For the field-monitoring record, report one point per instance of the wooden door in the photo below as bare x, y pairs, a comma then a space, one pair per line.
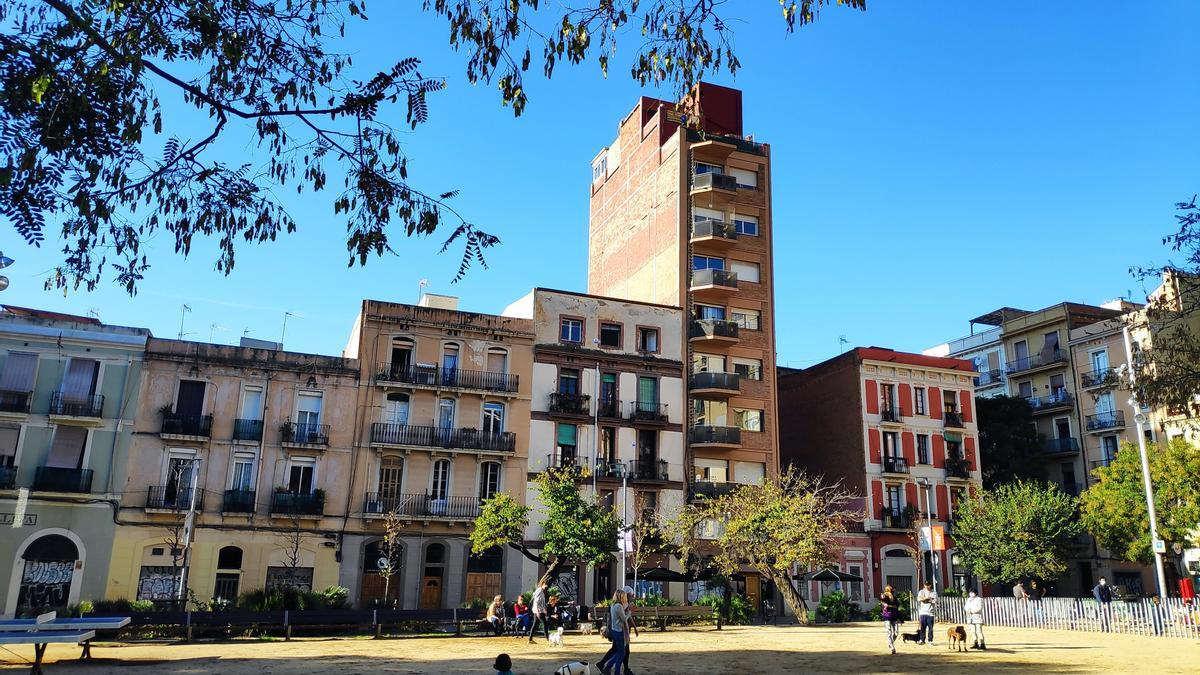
431, 593
752, 593
482, 585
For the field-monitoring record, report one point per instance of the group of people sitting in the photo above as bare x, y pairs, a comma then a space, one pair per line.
519, 616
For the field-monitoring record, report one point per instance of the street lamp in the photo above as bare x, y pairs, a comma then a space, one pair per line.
5, 261
933, 566
1140, 420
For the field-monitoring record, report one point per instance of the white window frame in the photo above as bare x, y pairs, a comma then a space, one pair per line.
303, 460
480, 474
236, 458
563, 322
746, 313
749, 267
746, 225
449, 477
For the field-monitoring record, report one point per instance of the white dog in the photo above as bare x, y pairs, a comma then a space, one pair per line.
556, 638
575, 668
586, 628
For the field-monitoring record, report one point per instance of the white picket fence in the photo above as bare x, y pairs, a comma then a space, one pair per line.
1171, 618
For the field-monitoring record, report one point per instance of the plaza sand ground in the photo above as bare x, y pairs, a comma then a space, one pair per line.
854, 648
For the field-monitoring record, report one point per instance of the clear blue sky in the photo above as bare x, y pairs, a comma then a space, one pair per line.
933, 160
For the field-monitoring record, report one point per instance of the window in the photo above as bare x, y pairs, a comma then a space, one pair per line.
610, 335
567, 434
395, 409
243, 473
746, 226
707, 363
570, 330
891, 445
308, 413
895, 501
749, 473
954, 450
1021, 351
647, 504
887, 393
568, 381
647, 392
919, 400
748, 369
647, 339
225, 590
710, 413
489, 479
600, 169
391, 478
608, 444
189, 401
1109, 447
923, 448
1058, 386
745, 178
710, 313
402, 354
497, 361
746, 271
702, 167
1062, 426
949, 400
748, 319
16, 382
749, 420
229, 558
704, 262
1051, 346
608, 499
439, 484
79, 382
1025, 389
300, 476
493, 418
9, 435
66, 451
855, 588
608, 395
712, 470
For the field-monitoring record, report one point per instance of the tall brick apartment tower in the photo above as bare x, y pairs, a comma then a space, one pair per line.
682, 216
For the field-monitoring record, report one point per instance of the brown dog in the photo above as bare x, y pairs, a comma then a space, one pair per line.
957, 636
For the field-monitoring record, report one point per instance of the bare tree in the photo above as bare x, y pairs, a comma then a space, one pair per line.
390, 548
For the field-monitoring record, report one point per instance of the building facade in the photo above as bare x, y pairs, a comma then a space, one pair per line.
69, 389
443, 419
681, 216
898, 429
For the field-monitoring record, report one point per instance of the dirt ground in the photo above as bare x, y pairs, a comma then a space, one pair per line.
853, 648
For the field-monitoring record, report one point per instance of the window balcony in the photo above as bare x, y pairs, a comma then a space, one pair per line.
713, 284
1037, 362
1061, 400
58, 479
652, 471
953, 420
183, 427
567, 460
421, 506
15, 401
294, 434
566, 404
714, 233
238, 501
386, 433
715, 385
896, 520
957, 467
8, 477
713, 331
297, 504
895, 465
889, 414
173, 498
436, 377
989, 378
610, 470
608, 408
1100, 377
1060, 446
1113, 419
648, 412
247, 430
710, 489
714, 188
707, 436
66, 405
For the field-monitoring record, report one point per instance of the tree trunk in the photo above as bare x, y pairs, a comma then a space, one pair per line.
790, 595
726, 599
552, 570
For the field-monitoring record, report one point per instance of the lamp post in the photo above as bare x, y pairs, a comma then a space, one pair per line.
5, 261
933, 566
1139, 419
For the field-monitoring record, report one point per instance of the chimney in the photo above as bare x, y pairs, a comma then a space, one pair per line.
435, 301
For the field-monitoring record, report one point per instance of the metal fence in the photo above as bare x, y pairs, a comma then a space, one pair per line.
1171, 617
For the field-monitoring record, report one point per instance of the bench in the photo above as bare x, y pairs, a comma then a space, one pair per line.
441, 617
99, 623
660, 615
232, 619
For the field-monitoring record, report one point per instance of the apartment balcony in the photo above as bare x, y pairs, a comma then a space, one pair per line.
297, 504
710, 489
953, 420
715, 385
563, 404
76, 409
238, 501
304, 436
1104, 421
430, 376
958, 467
713, 284
1036, 362
247, 430
610, 470
648, 413
989, 378
896, 520
173, 498
649, 471
895, 465
8, 477
715, 234
706, 436
713, 189
568, 461
1100, 377
889, 414
1065, 446
421, 506
1044, 405
17, 402
58, 479
1099, 464
717, 332
186, 427
466, 440
608, 409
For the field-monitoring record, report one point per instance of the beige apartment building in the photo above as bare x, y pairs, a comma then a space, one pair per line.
259, 444
681, 216
443, 419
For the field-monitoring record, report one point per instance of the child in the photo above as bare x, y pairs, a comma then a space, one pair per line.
503, 665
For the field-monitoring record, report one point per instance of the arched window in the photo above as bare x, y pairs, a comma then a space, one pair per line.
395, 409
229, 574
375, 553
229, 558
49, 568
402, 354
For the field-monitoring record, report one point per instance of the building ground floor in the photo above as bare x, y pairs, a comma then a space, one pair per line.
896, 562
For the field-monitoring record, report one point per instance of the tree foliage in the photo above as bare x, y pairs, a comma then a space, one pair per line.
576, 528
1008, 441
791, 519
1017, 530
1114, 507
82, 84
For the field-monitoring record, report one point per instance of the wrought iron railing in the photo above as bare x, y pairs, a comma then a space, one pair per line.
289, 503
1054, 446
303, 433
1036, 361
174, 497
1098, 377
896, 520
989, 377
438, 437
15, 401
1058, 399
712, 489
569, 404
238, 501
438, 376
1113, 419
653, 470
608, 407
895, 465
247, 430
957, 467
422, 505
889, 413
647, 411
187, 425
953, 420
58, 479
62, 403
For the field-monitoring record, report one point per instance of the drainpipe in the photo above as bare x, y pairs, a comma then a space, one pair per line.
112, 456
262, 444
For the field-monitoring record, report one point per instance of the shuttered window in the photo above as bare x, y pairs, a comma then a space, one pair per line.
66, 452
18, 372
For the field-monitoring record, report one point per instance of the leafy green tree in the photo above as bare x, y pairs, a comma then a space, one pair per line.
1017, 530
86, 144
1114, 507
1008, 441
576, 528
790, 520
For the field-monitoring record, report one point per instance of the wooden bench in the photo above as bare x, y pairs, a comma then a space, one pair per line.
660, 615
328, 618
233, 619
286, 620
439, 617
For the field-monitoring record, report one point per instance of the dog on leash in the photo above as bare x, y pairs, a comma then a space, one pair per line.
957, 637
557, 641
575, 668
910, 637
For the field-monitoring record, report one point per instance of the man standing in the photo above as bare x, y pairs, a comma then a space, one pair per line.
1103, 595
538, 611
926, 608
1019, 591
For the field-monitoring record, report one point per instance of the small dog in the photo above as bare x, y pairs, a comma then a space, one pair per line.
958, 638
556, 638
910, 637
575, 668
586, 628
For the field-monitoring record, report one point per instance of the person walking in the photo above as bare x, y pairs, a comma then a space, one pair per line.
1103, 595
632, 631
890, 610
539, 612
926, 612
973, 608
618, 629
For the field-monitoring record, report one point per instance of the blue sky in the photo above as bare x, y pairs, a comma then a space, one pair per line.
933, 160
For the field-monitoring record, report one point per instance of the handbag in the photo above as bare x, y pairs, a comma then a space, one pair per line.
605, 633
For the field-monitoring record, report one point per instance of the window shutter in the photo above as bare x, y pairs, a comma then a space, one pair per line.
872, 398
66, 452
566, 434
8, 442
18, 372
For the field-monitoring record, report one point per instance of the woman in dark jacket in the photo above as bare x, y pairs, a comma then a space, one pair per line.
890, 608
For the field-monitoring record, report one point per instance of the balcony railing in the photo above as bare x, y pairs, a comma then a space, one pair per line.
716, 229
438, 437
703, 434
565, 460
653, 470
1059, 399
1098, 377
293, 503
247, 430
895, 520
647, 411
989, 377
58, 479
712, 489
895, 465
1114, 419
889, 413
957, 467
15, 401
608, 407
712, 380
1058, 446
953, 420
437, 376
713, 328
187, 425
174, 497
304, 434
723, 278
611, 469
238, 501
62, 403
422, 506
714, 181
569, 404
8, 477
1036, 361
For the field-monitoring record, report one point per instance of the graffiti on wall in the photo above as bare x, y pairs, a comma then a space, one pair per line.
46, 583
290, 577
158, 582
568, 586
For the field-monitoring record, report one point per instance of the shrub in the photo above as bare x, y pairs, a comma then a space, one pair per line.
834, 608
336, 597
739, 607
905, 599
527, 597
952, 593
655, 601
476, 603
